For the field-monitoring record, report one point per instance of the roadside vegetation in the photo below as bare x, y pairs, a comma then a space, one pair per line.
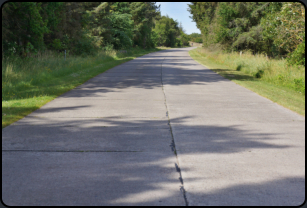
95, 36
270, 78
196, 38
276, 29
259, 45
28, 84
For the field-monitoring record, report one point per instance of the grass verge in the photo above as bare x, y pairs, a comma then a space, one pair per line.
28, 84
286, 95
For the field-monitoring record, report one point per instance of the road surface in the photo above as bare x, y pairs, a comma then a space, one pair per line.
158, 130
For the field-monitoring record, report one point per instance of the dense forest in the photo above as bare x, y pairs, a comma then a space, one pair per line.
274, 28
85, 27
168, 32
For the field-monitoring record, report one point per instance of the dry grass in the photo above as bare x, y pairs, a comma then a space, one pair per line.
260, 66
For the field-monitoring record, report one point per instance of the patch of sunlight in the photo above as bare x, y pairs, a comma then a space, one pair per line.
144, 196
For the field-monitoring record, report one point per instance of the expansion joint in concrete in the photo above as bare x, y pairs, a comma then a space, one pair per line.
172, 145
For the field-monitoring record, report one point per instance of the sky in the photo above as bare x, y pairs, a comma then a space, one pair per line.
178, 11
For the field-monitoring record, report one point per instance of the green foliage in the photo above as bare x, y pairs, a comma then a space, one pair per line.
273, 28
122, 28
300, 85
239, 66
82, 28
78, 27
85, 46
143, 15
108, 47
284, 93
57, 44
22, 24
198, 40
275, 72
196, 37
297, 57
259, 73
168, 32
33, 82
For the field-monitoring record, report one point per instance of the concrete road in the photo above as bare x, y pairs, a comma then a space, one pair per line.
111, 141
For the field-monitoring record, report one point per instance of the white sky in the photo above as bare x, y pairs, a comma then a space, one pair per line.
178, 11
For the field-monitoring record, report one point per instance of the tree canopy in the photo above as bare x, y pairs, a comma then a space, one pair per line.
85, 27
274, 28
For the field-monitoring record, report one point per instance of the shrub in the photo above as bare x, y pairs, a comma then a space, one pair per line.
300, 85
297, 57
108, 47
239, 66
85, 46
259, 73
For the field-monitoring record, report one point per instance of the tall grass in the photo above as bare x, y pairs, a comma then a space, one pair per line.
29, 83
260, 66
47, 72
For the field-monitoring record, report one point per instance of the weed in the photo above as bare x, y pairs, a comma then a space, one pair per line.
239, 67
300, 85
259, 73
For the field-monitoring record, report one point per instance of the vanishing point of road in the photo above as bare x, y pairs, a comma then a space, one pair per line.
158, 130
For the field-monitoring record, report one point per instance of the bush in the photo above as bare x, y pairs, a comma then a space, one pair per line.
57, 44
239, 66
84, 47
198, 40
259, 73
297, 57
108, 47
300, 85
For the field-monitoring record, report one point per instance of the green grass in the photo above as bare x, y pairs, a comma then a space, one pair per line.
243, 71
28, 84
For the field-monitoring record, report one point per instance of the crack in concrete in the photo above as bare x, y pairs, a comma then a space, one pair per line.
172, 145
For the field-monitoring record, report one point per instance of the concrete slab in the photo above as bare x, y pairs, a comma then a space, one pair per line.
231, 114
251, 178
90, 179
108, 142
80, 107
113, 121
73, 135
149, 71
122, 74
231, 137
234, 147
125, 94
142, 65
128, 91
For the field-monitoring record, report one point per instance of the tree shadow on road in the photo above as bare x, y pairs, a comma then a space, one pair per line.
129, 160
126, 161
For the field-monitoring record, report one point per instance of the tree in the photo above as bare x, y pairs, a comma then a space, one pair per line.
23, 27
168, 32
144, 15
274, 28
